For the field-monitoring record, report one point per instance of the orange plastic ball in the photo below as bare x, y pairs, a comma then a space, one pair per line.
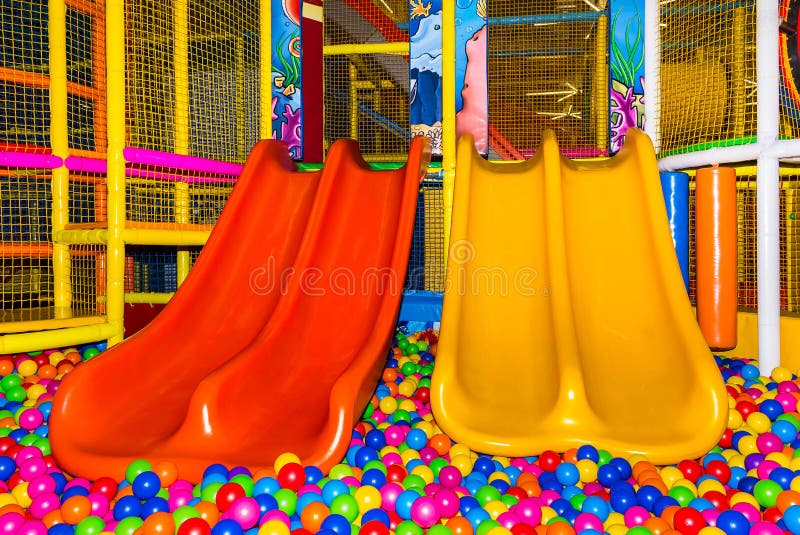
312, 516
160, 523
208, 511
459, 526
75, 508
167, 473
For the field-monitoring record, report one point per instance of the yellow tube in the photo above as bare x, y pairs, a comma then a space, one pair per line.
353, 72
448, 115
400, 49
265, 63
600, 88
80, 237
57, 31
115, 65
35, 341
25, 322
738, 74
165, 237
183, 258
149, 298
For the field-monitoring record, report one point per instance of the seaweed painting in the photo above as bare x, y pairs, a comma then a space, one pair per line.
627, 79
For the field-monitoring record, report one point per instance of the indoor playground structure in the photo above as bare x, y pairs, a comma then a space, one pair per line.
446, 267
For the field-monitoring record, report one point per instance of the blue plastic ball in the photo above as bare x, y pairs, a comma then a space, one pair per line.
227, 527
146, 485
336, 523
733, 522
332, 489
567, 473
127, 506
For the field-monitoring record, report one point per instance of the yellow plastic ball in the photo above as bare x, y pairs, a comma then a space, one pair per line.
671, 474
463, 463
367, 497
27, 368
407, 405
502, 476
274, 527
747, 445
36, 391
408, 455
386, 450
387, 405
406, 388
495, 508
760, 422
587, 469
743, 497
55, 357
20, 493
504, 461
617, 529
782, 373
710, 530
735, 419
685, 483
283, 459
614, 518
708, 485
425, 427
425, 472
736, 380
499, 530
459, 449
7, 499
548, 513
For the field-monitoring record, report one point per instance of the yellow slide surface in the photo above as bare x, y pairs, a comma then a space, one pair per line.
565, 317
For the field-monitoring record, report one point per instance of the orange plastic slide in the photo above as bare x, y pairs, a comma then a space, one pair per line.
565, 319
276, 340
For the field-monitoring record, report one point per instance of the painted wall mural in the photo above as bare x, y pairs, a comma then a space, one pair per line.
425, 74
286, 75
472, 93
626, 58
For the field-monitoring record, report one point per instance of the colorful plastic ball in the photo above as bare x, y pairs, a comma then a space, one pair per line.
245, 511
425, 512
226, 527
227, 495
161, 523
405, 501
137, 467
791, 518
336, 523
292, 476
766, 492
194, 526
127, 506
146, 485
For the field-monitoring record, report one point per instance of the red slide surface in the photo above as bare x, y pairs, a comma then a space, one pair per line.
276, 340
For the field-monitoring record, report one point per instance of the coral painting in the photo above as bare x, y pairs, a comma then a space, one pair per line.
286, 75
425, 63
627, 70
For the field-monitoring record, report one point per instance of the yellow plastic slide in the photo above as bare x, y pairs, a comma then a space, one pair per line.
565, 317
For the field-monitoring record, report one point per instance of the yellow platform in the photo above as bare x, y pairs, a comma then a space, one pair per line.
565, 318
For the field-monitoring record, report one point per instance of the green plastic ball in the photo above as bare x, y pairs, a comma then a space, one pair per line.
137, 467
91, 525
128, 525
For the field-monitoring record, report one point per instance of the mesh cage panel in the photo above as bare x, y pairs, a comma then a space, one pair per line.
747, 241
86, 114
366, 95
151, 269
25, 230
707, 94
426, 261
88, 279
548, 70
88, 199
193, 77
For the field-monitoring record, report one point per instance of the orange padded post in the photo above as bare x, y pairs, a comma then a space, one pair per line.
716, 256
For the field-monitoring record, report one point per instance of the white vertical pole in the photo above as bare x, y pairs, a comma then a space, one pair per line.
652, 72
768, 187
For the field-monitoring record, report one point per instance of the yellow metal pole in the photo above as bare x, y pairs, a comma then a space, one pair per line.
115, 264
183, 259
59, 141
182, 217
737, 72
353, 101
22, 342
265, 64
601, 84
448, 115
398, 48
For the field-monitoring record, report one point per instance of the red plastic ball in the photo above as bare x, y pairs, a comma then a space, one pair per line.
6, 443
105, 486
746, 408
772, 515
423, 394
395, 473
689, 521
194, 526
374, 527
720, 470
301, 531
522, 529
292, 476
726, 441
719, 500
549, 460
227, 494
691, 470
517, 492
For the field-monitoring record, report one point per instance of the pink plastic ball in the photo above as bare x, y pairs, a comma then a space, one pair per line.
30, 419
586, 521
32, 527
765, 528
787, 401
180, 485
32, 468
449, 476
765, 468
769, 443
548, 496
424, 512
508, 520
389, 494
27, 452
179, 499
43, 484
275, 514
447, 501
710, 516
77, 482
636, 516
748, 510
529, 511
392, 458
592, 487
788, 386
245, 511
427, 454
309, 487
43, 504
395, 435
10, 523
99, 503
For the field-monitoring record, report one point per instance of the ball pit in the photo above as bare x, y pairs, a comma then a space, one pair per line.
401, 474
